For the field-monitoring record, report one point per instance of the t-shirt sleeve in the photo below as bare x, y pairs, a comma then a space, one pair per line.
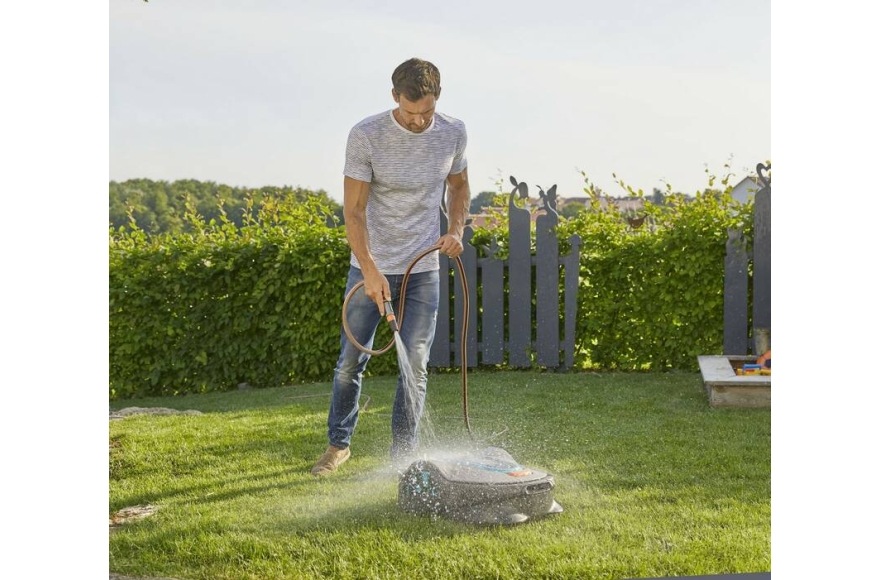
358, 156
459, 160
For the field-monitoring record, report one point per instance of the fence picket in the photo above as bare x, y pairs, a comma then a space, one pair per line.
571, 266
761, 259
492, 281
547, 288
469, 264
519, 281
736, 294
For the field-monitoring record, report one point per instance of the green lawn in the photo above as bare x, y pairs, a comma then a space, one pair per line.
652, 480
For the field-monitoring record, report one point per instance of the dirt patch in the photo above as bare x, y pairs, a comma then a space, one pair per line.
130, 411
132, 513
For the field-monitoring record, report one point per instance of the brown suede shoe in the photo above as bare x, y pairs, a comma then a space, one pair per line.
330, 460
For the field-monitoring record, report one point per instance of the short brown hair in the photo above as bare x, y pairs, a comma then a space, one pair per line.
416, 78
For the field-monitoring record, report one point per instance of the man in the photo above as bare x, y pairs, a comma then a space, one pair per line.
396, 166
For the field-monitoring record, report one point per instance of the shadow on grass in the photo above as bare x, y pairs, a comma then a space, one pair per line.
231, 401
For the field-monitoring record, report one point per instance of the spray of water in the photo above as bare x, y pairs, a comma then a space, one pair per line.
430, 444
415, 396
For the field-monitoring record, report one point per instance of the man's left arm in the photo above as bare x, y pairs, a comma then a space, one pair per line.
458, 201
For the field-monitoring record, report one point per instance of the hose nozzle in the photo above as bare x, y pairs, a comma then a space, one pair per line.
390, 315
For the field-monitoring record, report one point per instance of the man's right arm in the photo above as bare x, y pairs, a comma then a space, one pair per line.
356, 197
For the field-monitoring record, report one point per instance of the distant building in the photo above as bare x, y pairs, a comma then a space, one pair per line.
627, 205
490, 215
746, 188
622, 203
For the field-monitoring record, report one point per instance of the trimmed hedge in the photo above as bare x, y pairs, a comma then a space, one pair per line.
260, 304
223, 306
653, 298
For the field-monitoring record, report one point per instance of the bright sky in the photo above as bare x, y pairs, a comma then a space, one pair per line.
264, 93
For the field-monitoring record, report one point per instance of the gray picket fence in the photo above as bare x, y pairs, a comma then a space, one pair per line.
539, 318
739, 326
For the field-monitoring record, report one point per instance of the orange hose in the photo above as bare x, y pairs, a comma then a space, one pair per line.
463, 339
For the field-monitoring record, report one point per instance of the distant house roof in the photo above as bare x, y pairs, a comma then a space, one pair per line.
745, 188
488, 215
627, 204
623, 203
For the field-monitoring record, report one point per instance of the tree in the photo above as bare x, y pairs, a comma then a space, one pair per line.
481, 200
159, 206
571, 209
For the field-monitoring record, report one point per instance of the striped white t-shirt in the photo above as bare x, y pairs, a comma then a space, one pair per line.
407, 173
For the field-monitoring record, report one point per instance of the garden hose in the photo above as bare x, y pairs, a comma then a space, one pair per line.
396, 323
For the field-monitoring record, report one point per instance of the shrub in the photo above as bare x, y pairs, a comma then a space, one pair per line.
225, 305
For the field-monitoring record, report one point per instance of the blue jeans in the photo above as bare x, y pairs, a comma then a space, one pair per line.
417, 333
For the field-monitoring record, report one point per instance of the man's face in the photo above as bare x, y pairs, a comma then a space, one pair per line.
415, 116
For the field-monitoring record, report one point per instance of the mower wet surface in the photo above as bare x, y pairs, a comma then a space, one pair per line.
484, 487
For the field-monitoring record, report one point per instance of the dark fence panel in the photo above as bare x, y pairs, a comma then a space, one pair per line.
761, 256
555, 311
571, 266
469, 263
737, 339
492, 327
519, 280
547, 286
439, 354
